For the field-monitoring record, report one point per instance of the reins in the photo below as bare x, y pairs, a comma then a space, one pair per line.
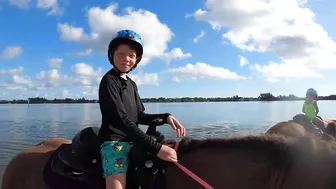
191, 174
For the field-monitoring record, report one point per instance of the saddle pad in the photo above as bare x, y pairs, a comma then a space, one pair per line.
57, 181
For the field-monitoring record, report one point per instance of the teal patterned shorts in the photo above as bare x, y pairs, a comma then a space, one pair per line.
114, 156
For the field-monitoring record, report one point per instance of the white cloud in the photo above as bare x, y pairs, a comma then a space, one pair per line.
86, 79
21, 80
52, 78
20, 3
11, 52
90, 91
199, 36
176, 79
11, 86
103, 23
72, 34
205, 71
86, 52
54, 84
243, 61
66, 94
17, 88
85, 76
51, 5
274, 71
55, 62
14, 71
83, 69
2, 94
41, 75
176, 53
285, 27
145, 78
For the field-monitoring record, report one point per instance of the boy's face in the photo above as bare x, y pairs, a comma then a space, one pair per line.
310, 97
124, 57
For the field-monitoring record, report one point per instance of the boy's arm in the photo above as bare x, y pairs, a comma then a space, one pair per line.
316, 108
303, 110
146, 119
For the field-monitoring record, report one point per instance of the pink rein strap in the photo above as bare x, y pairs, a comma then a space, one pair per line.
191, 174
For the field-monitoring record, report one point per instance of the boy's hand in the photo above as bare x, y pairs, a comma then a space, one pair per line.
176, 125
167, 153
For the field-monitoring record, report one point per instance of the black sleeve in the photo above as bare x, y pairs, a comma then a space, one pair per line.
116, 115
144, 118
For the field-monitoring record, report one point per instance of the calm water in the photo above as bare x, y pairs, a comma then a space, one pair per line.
22, 126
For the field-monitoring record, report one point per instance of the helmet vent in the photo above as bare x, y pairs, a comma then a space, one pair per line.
130, 36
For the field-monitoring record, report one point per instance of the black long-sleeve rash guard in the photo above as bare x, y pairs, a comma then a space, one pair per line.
122, 110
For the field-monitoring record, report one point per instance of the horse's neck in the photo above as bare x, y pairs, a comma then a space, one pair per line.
237, 168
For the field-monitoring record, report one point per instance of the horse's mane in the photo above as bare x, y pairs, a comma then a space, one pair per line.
250, 142
261, 143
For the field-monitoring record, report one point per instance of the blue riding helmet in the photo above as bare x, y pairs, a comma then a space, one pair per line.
312, 92
129, 37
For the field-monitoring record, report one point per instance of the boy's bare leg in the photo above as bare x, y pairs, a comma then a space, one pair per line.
117, 181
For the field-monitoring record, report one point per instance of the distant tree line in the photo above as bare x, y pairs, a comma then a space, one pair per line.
261, 97
39, 100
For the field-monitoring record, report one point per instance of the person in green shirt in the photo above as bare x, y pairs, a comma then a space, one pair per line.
310, 108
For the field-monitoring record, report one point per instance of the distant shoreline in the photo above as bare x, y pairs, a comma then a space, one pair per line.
236, 98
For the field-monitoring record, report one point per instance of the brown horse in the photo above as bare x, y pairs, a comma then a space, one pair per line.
254, 162
301, 126
287, 128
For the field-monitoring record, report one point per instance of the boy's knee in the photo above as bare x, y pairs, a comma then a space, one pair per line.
114, 173
117, 181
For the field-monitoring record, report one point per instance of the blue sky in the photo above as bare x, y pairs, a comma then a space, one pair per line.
209, 48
